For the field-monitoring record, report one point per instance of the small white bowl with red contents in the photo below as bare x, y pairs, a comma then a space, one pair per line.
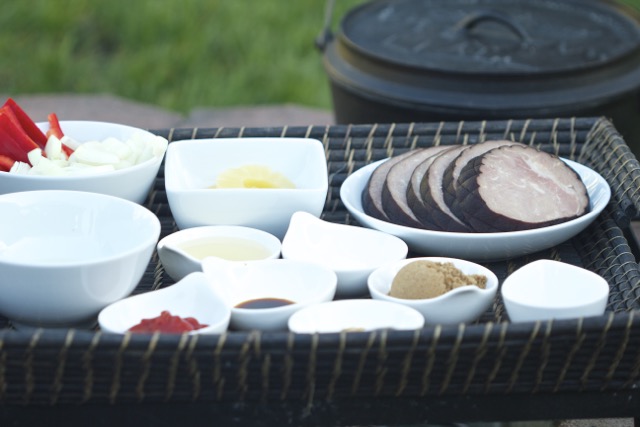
190, 299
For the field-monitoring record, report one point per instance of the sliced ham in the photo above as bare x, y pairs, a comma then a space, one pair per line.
432, 192
394, 191
414, 198
372, 194
451, 174
518, 187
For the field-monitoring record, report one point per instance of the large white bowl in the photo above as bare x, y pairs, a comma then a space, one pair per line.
460, 305
192, 296
192, 167
352, 252
547, 289
302, 283
478, 246
64, 255
132, 183
178, 262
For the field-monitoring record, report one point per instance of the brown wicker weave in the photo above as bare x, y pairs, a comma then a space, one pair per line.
489, 370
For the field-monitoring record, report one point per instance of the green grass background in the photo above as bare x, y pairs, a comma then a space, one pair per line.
177, 54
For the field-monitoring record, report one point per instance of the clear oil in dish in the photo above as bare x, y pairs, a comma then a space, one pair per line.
226, 247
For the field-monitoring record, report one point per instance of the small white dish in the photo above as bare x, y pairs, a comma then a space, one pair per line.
352, 252
547, 289
65, 255
301, 283
460, 305
478, 246
355, 315
193, 166
192, 296
182, 252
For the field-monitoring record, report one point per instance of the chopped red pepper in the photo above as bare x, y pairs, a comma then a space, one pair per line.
14, 143
28, 125
167, 323
54, 126
6, 163
56, 130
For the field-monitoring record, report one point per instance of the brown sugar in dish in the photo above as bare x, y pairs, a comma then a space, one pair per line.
428, 279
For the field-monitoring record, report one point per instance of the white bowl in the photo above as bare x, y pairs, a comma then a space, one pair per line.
352, 252
192, 167
478, 246
182, 252
302, 283
355, 315
192, 296
132, 183
547, 289
65, 255
460, 305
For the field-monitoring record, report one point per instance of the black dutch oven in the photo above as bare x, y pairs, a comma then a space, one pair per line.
443, 60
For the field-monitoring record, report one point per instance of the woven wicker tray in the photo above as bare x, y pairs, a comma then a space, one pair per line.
491, 370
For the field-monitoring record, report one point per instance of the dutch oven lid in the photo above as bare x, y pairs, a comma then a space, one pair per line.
493, 37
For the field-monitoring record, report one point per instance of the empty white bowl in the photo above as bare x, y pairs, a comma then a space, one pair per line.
355, 315
301, 283
192, 167
352, 252
547, 289
192, 296
65, 255
182, 252
460, 305
132, 183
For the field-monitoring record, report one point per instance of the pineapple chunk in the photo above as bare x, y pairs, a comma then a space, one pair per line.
252, 176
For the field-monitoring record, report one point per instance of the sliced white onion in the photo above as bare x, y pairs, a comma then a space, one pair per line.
91, 156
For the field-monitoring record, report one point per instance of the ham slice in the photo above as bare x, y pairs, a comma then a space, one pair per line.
432, 191
372, 194
518, 187
414, 197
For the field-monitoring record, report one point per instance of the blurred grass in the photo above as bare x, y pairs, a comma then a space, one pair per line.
178, 54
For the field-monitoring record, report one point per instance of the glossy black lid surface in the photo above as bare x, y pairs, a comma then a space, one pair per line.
493, 37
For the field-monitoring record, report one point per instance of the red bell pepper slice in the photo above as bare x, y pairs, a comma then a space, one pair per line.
28, 125
6, 163
56, 130
14, 143
54, 126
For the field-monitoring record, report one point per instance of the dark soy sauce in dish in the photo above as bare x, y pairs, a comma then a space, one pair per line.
264, 303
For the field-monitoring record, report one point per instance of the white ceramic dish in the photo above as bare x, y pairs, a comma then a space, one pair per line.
352, 252
547, 289
132, 183
302, 283
355, 315
65, 255
478, 246
192, 167
192, 296
460, 305
230, 242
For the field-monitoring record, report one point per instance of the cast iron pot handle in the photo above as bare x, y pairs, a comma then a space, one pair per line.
326, 35
470, 21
